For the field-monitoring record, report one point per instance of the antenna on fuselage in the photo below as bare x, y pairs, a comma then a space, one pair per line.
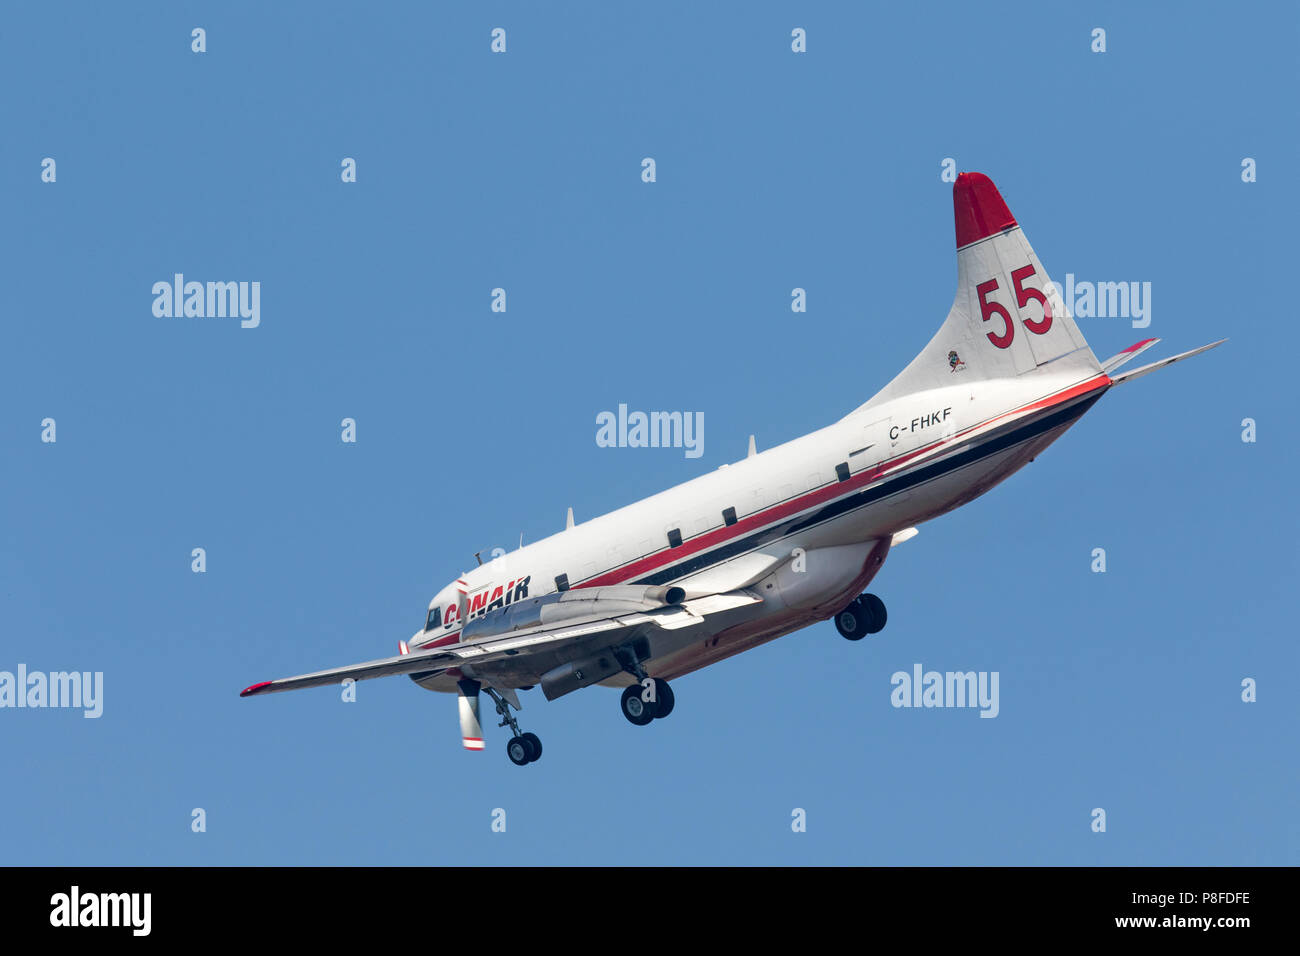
753, 449
477, 558
568, 522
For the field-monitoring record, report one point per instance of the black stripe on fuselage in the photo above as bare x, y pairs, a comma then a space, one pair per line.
866, 496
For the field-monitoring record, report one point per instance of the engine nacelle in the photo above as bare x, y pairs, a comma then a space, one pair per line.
576, 675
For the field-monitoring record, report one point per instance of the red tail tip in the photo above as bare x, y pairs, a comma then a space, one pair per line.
978, 209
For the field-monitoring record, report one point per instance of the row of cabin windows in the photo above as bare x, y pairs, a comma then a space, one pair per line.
675, 534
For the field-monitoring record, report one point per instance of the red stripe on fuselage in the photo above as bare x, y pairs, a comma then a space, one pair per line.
795, 505
442, 641
820, 496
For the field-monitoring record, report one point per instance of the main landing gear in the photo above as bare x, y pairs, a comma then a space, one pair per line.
864, 615
649, 697
521, 748
646, 700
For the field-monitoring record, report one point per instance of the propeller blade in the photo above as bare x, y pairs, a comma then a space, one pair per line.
471, 731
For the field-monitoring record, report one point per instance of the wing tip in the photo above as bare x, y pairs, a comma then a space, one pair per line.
255, 688
1137, 345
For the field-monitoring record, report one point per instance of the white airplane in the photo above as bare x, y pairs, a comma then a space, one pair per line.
760, 548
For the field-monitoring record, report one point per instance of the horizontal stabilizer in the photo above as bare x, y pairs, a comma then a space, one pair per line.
1143, 370
1128, 355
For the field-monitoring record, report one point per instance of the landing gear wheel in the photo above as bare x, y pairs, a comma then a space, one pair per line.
851, 622
518, 751
873, 609
634, 708
865, 615
664, 698
534, 745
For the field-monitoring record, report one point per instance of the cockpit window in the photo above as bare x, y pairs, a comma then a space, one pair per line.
435, 618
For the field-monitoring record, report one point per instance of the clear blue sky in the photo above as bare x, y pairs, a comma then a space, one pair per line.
775, 170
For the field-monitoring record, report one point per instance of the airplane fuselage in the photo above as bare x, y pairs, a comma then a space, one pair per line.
849, 486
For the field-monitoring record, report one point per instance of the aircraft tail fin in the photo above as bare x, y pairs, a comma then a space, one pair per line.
1007, 319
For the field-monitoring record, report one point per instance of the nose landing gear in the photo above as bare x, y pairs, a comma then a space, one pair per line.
521, 748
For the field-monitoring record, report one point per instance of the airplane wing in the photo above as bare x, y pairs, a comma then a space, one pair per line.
1144, 369
406, 664
516, 643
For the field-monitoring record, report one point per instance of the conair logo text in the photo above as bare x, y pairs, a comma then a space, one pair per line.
488, 599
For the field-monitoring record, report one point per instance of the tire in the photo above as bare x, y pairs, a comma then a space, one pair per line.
851, 623
664, 698
534, 745
518, 751
873, 612
634, 708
